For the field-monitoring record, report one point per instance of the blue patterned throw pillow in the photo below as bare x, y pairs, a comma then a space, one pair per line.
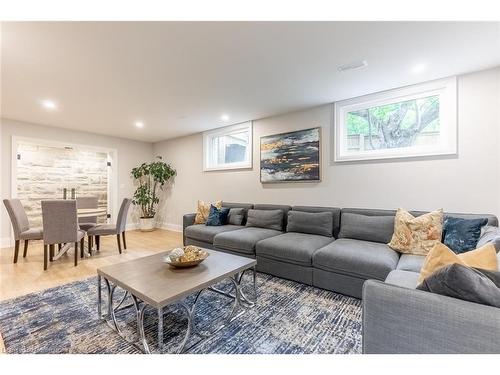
217, 217
462, 235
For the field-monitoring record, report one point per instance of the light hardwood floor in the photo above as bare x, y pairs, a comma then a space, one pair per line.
28, 276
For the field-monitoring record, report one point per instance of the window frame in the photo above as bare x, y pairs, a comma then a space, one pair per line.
446, 89
208, 136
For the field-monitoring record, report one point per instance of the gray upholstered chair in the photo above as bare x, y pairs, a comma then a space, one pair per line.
110, 229
21, 226
60, 225
86, 223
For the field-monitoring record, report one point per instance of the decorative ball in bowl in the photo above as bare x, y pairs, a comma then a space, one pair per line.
188, 256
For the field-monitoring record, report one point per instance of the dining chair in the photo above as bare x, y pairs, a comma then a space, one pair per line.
60, 225
110, 229
86, 223
21, 226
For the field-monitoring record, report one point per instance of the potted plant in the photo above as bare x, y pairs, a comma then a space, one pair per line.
151, 178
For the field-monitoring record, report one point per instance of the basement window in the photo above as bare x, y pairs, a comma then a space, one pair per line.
413, 121
228, 148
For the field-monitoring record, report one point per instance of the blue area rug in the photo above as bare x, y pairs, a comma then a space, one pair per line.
289, 318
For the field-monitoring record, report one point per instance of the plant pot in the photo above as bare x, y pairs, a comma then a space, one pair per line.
147, 224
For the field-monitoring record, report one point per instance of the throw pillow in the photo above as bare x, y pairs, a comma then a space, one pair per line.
269, 219
203, 211
441, 256
320, 223
366, 228
490, 234
462, 235
217, 217
466, 283
416, 235
236, 216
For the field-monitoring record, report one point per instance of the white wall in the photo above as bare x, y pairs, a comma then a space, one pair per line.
130, 154
467, 183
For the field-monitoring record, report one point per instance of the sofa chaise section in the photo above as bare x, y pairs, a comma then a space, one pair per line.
401, 320
398, 318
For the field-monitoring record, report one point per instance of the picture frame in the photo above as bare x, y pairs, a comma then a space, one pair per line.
293, 156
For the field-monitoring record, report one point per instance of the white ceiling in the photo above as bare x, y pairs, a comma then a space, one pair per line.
180, 77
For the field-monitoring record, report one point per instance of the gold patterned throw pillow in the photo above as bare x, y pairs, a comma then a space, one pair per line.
203, 211
416, 235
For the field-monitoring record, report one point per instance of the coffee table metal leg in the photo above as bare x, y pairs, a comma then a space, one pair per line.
189, 313
237, 293
111, 311
140, 324
99, 298
160, 329
247, 302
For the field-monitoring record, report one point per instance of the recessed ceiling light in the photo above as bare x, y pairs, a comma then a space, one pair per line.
224, 117
418, 68
139, 124
353, 65
49, 104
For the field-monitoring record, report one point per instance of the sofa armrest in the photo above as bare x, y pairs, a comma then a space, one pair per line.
401, 320
187, 220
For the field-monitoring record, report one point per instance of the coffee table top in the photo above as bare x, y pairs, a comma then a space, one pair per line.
159, 284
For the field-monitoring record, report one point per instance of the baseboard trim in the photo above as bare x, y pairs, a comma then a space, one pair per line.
132, 226
170, 226
5, 242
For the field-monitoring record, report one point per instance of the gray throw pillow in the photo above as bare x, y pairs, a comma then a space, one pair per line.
269, 219
489, 234
366, 228
310, 222
465, 283
236, 216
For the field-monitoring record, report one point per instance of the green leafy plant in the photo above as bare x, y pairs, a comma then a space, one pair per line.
151, 177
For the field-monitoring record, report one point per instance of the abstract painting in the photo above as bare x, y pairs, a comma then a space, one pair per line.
288, 157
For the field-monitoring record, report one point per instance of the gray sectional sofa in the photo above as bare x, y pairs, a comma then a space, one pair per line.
340, 254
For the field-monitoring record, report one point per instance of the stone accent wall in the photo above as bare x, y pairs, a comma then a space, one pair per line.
43, 172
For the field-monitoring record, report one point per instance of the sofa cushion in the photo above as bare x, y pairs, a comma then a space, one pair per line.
245, 206
292, 247
243, 240
281, 207
362, 259
405, 279
320, 223
202, 232
367, 228
269, 219
334, 210
236, 216
410, 262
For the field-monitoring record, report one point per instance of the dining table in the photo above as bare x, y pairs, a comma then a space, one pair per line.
82, 213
